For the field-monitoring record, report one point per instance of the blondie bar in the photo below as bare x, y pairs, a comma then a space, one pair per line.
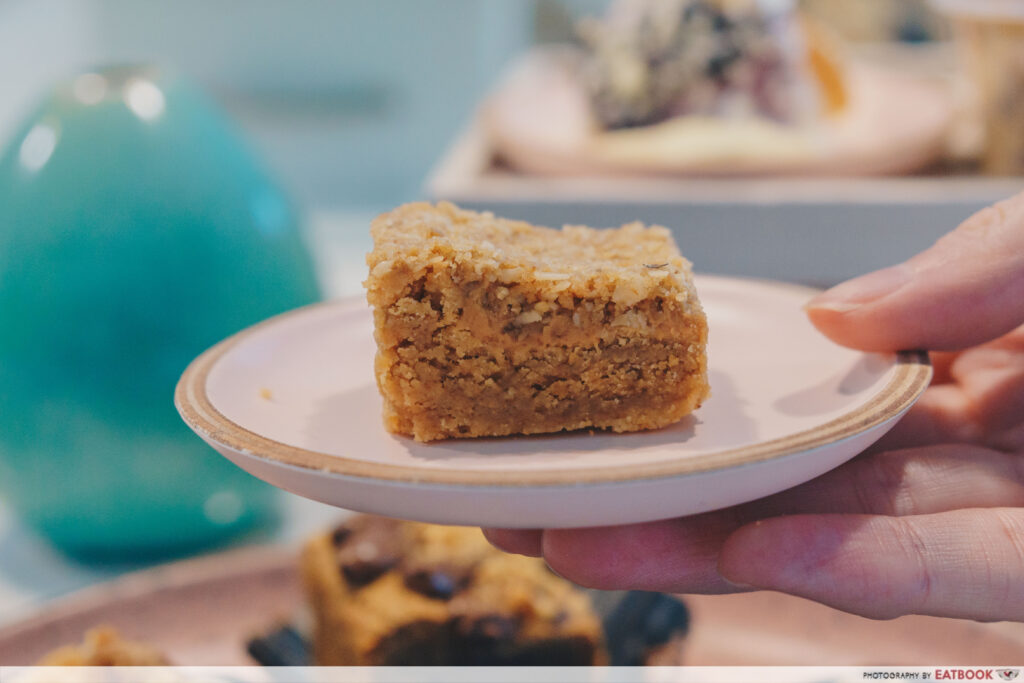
491, 327
385, 592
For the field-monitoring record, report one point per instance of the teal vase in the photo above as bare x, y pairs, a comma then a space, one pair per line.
136, 230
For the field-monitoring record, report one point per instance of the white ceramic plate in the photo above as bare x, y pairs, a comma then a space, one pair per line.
293, 401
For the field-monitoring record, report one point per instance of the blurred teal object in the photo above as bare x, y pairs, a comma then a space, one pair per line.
136, 230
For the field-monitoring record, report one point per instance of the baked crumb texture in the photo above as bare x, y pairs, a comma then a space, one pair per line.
492, 327
103, 646
385, 592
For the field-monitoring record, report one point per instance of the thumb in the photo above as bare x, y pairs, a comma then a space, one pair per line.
966, 289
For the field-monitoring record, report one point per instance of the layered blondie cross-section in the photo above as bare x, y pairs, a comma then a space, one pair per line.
491, 327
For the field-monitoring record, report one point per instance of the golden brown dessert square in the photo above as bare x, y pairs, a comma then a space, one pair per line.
386, 592
491, 327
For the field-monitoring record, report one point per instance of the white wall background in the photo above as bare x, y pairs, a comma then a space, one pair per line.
350, 101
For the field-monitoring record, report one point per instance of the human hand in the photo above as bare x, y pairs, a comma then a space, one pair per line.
931, 519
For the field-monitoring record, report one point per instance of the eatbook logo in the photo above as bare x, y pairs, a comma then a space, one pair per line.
1008, 674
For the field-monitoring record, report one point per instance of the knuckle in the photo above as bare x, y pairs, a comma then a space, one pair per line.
1010, 525
1009, 590
879, 486
921, 582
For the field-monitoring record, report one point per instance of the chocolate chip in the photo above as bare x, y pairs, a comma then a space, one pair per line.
490, 627
642, 621
440, 583
721, 23
720, 63
371, 548
359, 573
283, 647
340, 535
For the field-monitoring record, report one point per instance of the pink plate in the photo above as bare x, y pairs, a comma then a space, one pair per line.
201, 612
293, 401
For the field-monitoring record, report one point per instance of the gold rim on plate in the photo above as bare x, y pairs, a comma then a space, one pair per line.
912, 376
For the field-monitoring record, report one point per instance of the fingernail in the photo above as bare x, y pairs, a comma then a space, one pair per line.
866, 289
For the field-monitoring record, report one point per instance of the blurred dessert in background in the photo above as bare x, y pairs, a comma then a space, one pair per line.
104, 646
387, 592
653, 60
719, 87
990, 39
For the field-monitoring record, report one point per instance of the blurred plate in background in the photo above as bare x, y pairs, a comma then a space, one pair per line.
539, 121
203, 611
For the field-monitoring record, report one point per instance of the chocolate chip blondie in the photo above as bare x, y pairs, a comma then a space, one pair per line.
386, 592
492, 327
